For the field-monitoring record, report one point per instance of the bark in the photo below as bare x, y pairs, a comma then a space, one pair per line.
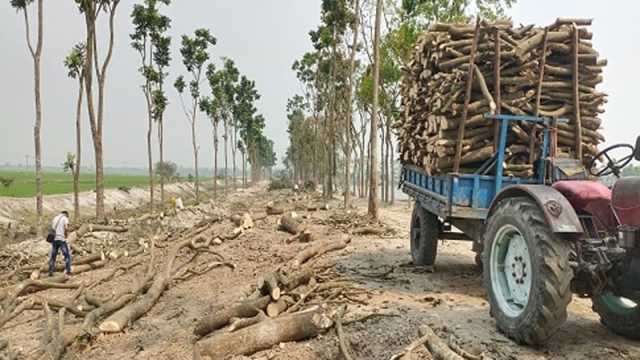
36, 56
264, 335
147, 93
319, 249
437, 346
130, 313
226, 158
221, 318
278, 307
373, 176
78, 163
290, 224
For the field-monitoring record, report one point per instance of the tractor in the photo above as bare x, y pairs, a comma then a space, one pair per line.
540, 239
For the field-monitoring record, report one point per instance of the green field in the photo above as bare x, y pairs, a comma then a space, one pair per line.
24, 184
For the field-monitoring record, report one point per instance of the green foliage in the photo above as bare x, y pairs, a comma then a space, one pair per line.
69, 163
166, 169
153, 45
180, 84
6, 182
194, 49
74, 62
20, 4
279, 183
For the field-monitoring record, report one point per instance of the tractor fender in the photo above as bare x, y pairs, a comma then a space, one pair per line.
560, 215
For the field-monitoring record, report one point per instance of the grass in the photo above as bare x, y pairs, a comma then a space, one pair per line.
24, 184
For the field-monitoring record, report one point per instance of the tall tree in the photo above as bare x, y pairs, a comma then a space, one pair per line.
74, 62
250, 126
231, 127
212, 106
195, 54
91, 10
36, 55
349, 118
153, 47
373, 176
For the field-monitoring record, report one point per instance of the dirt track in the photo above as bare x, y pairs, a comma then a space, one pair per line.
451, 298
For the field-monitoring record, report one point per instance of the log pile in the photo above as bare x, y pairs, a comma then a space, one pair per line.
460, 72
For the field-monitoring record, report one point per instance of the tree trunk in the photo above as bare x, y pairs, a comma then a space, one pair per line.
195, 156
161, 155
215, 158
89, 69
76, 168
226, 158
349, 117
147, 94
234, 138
98, 134
373, 177
244, 172
383, 164
37, 55
264, 335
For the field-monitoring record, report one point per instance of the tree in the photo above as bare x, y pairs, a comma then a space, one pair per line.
212, 106
91, 9
75, 64
194, 56
36, 55
166, 169
231, 75
249, 124
349, 118
373, 176
153, 47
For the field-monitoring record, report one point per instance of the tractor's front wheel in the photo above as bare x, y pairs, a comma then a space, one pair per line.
526, 272
620, 315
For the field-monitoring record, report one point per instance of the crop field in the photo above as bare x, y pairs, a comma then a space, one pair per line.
24, 182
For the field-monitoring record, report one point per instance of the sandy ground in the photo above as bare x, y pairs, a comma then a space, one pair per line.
451, 299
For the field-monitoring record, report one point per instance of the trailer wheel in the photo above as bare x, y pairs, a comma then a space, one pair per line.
526, 272
425, 228
620, 315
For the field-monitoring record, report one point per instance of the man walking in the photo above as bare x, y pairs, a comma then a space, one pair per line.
60, 225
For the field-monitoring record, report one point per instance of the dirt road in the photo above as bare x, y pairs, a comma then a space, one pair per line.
396, 298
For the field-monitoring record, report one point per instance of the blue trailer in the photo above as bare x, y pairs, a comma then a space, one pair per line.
539, 238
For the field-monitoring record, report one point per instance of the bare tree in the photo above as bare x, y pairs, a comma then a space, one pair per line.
91, 10
36, 55
74, 62
373, 176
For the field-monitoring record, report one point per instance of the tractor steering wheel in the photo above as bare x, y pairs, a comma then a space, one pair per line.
612, 166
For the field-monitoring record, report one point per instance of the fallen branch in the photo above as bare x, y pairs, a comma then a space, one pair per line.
345, 349
319, 249
437, 347
265, 334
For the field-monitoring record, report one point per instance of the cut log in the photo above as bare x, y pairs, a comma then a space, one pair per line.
268, 285
289, 224
276, 308
219, 319
265, 334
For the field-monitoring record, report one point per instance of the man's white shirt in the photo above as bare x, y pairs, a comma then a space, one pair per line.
59, 224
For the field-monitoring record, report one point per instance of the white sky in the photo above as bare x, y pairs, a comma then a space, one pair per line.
264, 38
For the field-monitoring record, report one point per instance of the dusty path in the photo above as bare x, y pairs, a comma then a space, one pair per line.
403, 296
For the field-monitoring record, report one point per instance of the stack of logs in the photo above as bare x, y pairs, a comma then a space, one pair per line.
459, 73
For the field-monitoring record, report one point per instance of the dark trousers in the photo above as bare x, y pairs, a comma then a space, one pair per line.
55, 246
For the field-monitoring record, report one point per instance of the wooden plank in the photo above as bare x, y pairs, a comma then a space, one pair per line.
496, 87
543, 62
467, 99
576, 91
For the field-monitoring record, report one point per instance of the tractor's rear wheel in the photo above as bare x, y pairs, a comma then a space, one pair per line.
526, 272
425, 228
620, 315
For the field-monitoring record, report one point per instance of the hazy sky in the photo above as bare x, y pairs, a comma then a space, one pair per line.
264, 38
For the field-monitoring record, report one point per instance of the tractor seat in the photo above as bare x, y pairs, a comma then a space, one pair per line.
626, 200
590, 197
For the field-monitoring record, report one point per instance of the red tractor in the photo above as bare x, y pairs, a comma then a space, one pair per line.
539, 239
